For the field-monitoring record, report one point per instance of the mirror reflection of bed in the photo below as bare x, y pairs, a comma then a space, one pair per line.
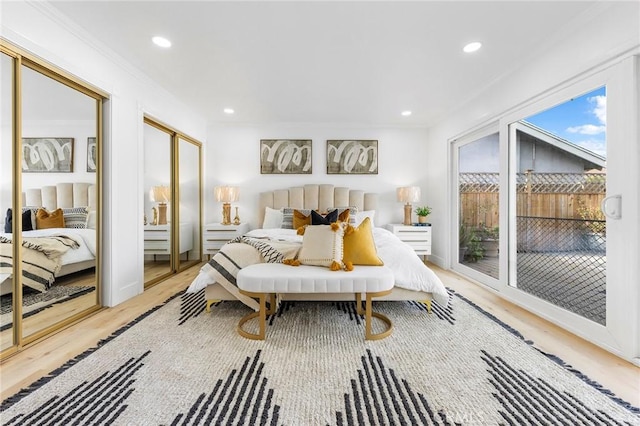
66, 246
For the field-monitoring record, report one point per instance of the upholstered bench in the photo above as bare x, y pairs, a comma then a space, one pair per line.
264, 279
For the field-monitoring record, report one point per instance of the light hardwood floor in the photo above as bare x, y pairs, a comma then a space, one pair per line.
24, 368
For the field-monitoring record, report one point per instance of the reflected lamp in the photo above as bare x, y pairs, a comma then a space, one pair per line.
408, 195
226, 195
161, 195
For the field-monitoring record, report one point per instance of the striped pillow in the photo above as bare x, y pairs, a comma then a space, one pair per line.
75, 217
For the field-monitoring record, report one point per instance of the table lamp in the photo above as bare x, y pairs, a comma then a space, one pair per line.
161, 195
408, 195
226, 195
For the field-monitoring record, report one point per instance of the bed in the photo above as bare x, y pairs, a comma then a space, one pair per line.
73, 198
413, 279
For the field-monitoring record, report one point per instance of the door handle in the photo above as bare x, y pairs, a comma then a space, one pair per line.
612, 206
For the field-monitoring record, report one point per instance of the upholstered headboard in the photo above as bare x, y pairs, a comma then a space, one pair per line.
62, 195
321, 197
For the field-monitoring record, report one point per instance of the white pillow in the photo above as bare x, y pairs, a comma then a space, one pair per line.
360, 216
272, 218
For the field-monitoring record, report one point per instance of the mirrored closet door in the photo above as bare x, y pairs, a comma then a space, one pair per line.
172, 201
190, 202
7, 117
50, 198
158, 171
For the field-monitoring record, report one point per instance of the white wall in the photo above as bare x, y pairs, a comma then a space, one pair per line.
232, 157
38, 28
603, 43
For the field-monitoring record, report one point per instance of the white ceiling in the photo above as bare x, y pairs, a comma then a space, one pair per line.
325, 62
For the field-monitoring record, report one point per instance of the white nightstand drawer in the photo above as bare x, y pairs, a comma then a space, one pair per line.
416, 237
409, 235
214, 244
215, 235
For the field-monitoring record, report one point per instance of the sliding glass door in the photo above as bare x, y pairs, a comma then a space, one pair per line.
559, 162
548, 183
477, 166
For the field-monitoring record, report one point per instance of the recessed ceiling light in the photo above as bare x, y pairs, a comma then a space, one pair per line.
161, 41
406, 113
228, 111
472, 47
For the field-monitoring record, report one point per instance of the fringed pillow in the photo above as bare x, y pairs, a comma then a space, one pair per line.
287, 216
322, 245
359, 246
302, 218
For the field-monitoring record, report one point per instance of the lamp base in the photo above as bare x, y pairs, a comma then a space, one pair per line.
407, 214
226, 214
162, 214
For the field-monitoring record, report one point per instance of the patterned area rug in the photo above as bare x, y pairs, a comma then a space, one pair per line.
34, 301
180, 365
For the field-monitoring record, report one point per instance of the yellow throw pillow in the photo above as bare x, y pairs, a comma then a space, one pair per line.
45, 219
359, 245
300, 219
322, 246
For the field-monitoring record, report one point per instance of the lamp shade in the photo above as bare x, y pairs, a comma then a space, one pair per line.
408, 194
160, 194
226, 194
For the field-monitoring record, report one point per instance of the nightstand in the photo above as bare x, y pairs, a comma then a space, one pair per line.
418, 237
157, 238
215, 235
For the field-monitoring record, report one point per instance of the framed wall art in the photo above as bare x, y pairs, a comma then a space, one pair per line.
92, 154
347, 157
47, 155
285, 156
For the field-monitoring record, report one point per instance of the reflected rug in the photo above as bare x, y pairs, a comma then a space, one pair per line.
33, 301
178, 365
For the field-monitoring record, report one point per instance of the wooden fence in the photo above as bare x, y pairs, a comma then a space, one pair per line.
551, 195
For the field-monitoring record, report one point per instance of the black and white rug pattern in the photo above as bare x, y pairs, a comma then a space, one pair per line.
179, 365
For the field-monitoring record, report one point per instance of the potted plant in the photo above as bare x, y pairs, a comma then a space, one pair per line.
422, 213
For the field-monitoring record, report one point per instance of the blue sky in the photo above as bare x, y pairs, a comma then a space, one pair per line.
582, 120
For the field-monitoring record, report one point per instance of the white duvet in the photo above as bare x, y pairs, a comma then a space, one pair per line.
409, 271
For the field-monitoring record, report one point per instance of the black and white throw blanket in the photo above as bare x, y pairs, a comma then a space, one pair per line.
241, 252
41, 259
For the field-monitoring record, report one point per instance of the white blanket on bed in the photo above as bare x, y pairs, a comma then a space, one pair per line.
409, 271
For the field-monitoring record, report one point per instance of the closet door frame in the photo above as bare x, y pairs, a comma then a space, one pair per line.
22, 58
176, 136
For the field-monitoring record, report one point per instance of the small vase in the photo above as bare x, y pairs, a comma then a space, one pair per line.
236, 220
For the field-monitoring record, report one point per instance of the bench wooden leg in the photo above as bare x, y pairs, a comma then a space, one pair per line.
368, 314
261, 314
